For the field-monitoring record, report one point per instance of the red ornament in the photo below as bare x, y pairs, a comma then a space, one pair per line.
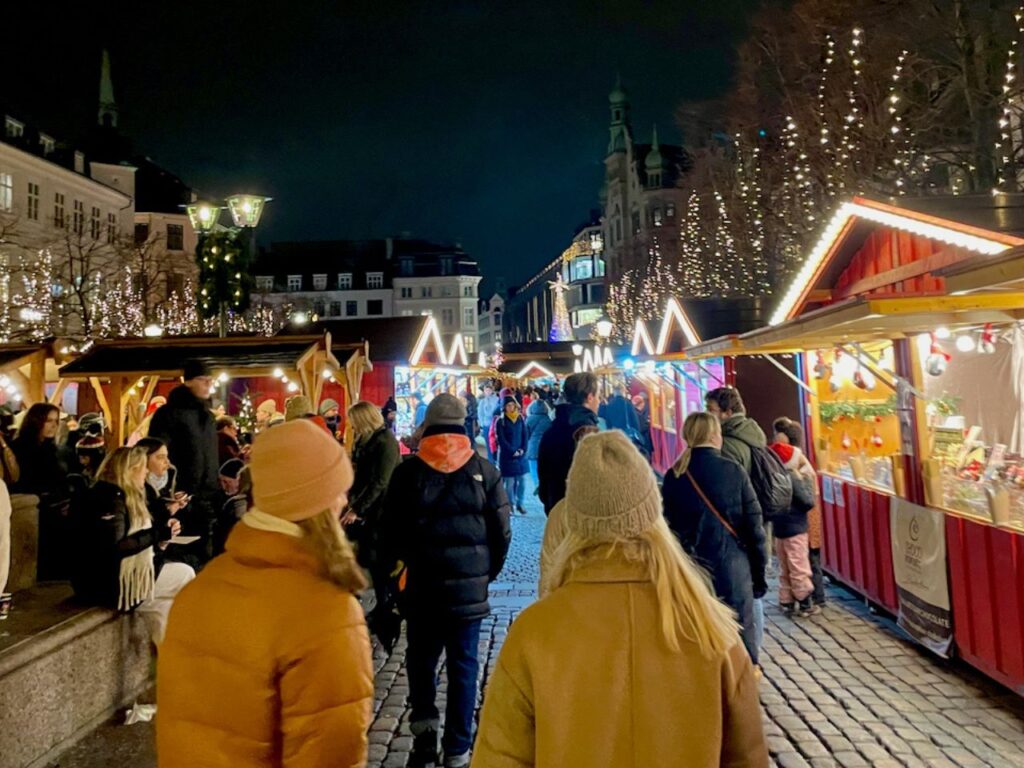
987, 343
876, 439
846, 442
878, 419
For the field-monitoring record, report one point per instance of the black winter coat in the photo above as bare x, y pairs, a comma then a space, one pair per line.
794, 522
736, 566
557, 447
512, 445
452, 532
103, 541
41, 471
537, 423
189, 429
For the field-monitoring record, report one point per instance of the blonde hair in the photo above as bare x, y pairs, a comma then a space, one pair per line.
698, 429
116, 469
366, 418
687, 606
323, 535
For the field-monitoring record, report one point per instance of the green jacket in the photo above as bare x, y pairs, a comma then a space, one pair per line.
739, 433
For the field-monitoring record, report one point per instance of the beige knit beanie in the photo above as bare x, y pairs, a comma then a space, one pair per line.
298, 470
296, 407
611, 490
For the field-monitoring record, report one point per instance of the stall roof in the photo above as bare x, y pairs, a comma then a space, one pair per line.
12, 353
1000, 273
391, 339
253, 356
866, 319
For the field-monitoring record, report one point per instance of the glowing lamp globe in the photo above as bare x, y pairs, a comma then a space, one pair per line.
247, 209
202, 215
152, 331
604, 328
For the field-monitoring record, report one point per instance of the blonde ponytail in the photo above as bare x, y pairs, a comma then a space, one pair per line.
699, 429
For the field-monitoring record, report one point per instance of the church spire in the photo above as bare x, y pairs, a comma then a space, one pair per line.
618, 103
654, 159
108, 107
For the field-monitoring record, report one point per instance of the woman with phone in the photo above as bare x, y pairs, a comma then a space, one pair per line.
119, 562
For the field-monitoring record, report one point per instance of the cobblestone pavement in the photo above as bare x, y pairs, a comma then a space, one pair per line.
840, 689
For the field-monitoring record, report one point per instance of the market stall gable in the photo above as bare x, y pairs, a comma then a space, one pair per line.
132, 369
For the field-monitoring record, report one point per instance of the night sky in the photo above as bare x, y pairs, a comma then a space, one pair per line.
481, 122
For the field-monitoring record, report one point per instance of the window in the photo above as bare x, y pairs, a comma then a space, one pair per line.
264, 283
446, 265
79, 217
656, 216
426, 292
58, 210
374, 279
406, 313
447, 317
6, 192
335, 309
175, 237
670, 210
375, 307
319, 283
582, 268
468, 292
600, 266
406, 267
351, 308
33, 202
469, 342
13, 128
111, 226
636, 222
468, 317
407, 292
47, 143
175, 284
318, 308
294, 282
344, 281
654, 178
141, 233
94, 223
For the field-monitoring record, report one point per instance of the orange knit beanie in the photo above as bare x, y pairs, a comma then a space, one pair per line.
298, 470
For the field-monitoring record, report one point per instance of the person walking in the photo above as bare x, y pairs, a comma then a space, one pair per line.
574, 418
643, 416
618, 587
538, 421
513, 442
740, 433
267, 660
471, 413
188, 428
711, 507
619, 412
118, 559
486, 406
446, 518
420, 412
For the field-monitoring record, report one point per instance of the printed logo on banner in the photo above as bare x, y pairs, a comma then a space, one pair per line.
919, 563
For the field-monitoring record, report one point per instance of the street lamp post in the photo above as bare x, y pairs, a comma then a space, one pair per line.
225, 256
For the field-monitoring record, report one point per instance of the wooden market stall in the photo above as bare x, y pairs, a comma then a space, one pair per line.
911, 395
125, 374
25, 370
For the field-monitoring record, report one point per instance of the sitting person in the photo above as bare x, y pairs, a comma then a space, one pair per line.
119, 563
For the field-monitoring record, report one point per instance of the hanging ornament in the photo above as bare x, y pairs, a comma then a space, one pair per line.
937, 361
864, 379
821, 368
834, 383
846, 442
987, 342
876, 439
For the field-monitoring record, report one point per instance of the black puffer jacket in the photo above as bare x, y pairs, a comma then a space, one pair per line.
736, 565
794, 522
189, 429
446, 516
103, 541
557, 447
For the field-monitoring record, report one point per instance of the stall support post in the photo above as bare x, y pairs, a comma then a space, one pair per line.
907, 366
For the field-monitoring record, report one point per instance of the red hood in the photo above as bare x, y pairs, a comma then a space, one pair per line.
446, 453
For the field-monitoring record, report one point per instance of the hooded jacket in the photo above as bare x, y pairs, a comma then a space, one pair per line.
537, 423
446, 516
739, 434
586, 679
375, 458
265, 663
189, 429
557, 447
512, 444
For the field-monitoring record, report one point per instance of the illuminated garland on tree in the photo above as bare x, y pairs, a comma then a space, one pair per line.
224, 279
1009, 121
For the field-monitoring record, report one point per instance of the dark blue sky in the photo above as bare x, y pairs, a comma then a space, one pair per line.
482, 122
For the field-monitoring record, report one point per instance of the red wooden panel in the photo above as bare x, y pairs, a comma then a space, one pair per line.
869, 553
856, 537
883, 546
828, 530
1007, 548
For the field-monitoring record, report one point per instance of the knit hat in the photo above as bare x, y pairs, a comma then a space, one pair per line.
231, 468
90, 443
194, 368
445, 410
296, 407
611, 490
268, 407
789, 455
327, 405
508, 399
91, 423
298, 470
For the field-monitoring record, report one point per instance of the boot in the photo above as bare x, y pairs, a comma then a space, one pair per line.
424, 750
808, 607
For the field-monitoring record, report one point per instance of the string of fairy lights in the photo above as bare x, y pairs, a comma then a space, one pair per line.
1007, 148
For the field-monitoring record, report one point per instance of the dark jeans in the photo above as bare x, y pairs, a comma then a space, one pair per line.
817, 577
427, 637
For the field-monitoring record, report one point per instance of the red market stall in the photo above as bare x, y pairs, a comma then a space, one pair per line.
911, 389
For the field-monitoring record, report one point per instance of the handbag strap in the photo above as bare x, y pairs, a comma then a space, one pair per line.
711, 506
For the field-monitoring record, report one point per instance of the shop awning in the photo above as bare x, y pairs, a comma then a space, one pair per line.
865, 320
1000, 273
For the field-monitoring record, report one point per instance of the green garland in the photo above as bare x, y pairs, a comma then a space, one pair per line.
224, 276
856, 409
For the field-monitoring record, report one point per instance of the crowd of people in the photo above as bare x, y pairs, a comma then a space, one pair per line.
248, 559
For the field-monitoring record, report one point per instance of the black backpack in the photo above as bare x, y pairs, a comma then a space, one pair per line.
771, 481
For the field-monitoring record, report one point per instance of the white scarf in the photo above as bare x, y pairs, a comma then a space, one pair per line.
158, 482
263, 521
138, 575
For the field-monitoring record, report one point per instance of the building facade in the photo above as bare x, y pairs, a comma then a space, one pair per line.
389, 277
642, 200
489, 323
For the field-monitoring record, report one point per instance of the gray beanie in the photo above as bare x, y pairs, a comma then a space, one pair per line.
445, 410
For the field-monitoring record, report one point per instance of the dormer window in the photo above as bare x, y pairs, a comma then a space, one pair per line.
344, 281
47, 143
654, 178
374, 280
320, 283
13, 128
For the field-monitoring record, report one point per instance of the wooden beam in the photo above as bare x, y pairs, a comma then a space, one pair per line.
101, 398
117, 398
943, 258
55, 398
